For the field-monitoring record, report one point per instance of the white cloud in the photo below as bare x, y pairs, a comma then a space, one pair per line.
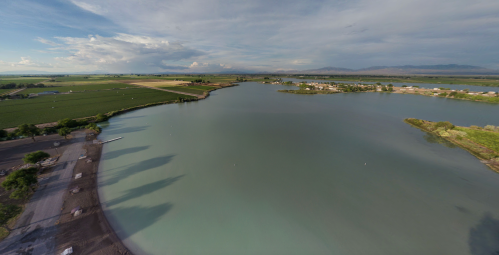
25, 62
45, 41
353, 33
124, 52
90, 7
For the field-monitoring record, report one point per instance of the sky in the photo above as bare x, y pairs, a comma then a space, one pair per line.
188, 36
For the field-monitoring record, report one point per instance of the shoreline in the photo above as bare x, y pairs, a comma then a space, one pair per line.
90, 232
477, 97
81, 232
124, 110
475, 148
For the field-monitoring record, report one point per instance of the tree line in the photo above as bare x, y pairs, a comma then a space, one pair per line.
63, 128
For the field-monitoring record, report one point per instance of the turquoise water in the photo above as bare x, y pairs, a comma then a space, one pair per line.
253, 171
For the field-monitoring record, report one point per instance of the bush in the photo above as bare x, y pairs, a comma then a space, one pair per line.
444, 124
49, 130
100, 117
443, 94
490, 127
21, 181
67, 123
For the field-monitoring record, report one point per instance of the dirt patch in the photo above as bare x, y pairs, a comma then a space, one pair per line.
88, 233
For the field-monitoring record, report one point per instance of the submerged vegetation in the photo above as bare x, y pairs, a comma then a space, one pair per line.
483, 142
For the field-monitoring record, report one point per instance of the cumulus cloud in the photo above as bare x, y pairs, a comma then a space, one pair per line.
124, 52
355, 33
27, 62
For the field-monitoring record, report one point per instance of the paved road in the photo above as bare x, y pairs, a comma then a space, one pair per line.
35, 231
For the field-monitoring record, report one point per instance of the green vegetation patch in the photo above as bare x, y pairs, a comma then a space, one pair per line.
50, 108
22, 80
481, 142
78, 88
186, 90
207, 88
486, 138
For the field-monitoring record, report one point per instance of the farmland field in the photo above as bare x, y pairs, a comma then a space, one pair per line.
186, 90
207, 88
21, 80
78, 88
76, 105
159, 83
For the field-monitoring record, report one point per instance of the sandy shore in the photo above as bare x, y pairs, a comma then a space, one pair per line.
89, 233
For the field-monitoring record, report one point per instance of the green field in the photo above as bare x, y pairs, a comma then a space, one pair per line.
486, 138
185, 89
22, 80
205, 88
76, 105
78, 88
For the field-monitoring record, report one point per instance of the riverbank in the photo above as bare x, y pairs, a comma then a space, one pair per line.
90, 232
483, 143
325, 88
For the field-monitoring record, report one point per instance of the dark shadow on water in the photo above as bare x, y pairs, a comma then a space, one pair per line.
143, 190
431, 138
484, 237
137, 218
135, 168
120, 131
117, 153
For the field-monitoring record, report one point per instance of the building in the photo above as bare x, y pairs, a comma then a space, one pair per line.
52, 92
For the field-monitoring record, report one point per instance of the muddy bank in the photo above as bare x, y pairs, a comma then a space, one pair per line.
88, 233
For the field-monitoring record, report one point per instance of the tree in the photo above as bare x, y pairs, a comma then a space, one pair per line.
35, 157
68, 123
3, 133
21, 181
65, 131
100, 117
8, 212
93, 127
29, 130
390, 89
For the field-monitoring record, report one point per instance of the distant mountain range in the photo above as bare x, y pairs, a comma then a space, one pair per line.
451, 69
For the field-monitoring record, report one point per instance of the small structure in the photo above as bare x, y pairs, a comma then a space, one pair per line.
77, 213
82, 156
77, 176
67, 251
53, 92
75, 209
75, 190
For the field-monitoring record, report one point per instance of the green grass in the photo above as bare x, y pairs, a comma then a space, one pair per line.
22, 80
3, 233
185, 89
77, 105
486, 138
78, 88
206, 88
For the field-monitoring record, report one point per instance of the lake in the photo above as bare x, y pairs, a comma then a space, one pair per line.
250, 170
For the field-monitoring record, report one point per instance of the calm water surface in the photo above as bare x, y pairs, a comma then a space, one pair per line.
253, 171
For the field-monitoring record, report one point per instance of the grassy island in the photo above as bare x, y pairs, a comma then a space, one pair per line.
312, 88
483, 142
